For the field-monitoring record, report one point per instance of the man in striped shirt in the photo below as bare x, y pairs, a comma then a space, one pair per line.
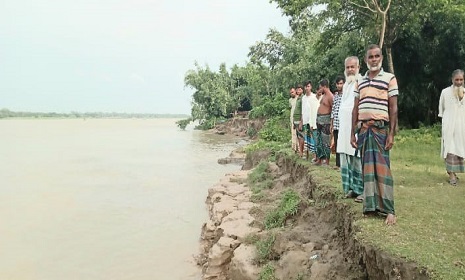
375, 116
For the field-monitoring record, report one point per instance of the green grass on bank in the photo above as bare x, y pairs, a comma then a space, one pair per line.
430, 228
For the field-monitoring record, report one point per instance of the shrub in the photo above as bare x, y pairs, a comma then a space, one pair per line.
288, 206
275, 129
264, 248
182, 124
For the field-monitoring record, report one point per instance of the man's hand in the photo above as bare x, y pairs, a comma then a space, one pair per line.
389, 142
353, 141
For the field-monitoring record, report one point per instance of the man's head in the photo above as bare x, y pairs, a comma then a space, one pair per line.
299, 89
352, 67
324, 83
292, 92
308, 87
457, 77
457, 82
339, 83
322, 86
374, 58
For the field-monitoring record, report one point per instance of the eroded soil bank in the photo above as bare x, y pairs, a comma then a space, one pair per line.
319, 242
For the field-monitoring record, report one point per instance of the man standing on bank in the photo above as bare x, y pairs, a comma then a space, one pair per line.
452, 112
323, 124
351, 165
375, 114
299, 89
335, 117
292, 103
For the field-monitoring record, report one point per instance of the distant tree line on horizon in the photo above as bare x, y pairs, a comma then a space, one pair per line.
6, 113
423, 41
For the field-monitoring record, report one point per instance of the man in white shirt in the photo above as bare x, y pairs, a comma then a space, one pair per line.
309, 111
452, 112
351, 166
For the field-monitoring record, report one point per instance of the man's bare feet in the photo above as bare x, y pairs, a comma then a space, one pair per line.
390, 220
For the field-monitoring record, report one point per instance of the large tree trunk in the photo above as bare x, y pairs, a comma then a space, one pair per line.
391, 70
389, 58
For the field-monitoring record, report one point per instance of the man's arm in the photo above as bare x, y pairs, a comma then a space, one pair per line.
441, 104
392, 102
353, 141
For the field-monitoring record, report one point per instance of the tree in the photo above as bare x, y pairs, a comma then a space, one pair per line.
213, 94
380, 20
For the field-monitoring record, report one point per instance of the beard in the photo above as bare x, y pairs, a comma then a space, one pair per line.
351, 78
458, 91
374, 68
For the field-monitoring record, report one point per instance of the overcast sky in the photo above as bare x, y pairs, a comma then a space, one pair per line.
120, 55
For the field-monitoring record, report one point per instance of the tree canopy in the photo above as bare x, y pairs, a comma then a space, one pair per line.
423, 42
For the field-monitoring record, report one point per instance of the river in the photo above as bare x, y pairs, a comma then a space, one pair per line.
104, 198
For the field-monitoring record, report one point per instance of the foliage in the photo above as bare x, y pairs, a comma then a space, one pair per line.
213, 96
275, 130
182, 124
264, 248
251, 132
259, 173
443, 32
288, 206
259, 180
251, 238
209, 123
324, 32
261, 145
426, 135
267, 272
271, 106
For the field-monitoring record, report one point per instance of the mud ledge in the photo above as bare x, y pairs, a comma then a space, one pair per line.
320, 242
243, 127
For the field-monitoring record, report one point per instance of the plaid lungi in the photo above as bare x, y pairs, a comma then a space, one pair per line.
309, 138
454, 163
323, 125
351, 174
378, 183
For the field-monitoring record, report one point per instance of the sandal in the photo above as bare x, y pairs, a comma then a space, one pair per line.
359, 199
350, 194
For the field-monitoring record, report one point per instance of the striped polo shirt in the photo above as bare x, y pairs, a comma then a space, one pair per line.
374, 94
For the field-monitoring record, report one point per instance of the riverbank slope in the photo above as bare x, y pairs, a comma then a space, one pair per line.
318, 242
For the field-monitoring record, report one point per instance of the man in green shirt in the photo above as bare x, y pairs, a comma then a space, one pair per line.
299, 89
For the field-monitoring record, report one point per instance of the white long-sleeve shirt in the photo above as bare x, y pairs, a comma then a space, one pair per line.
452, 112
345, 119
310, 106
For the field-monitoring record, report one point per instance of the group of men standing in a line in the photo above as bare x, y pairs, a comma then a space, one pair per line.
359, 121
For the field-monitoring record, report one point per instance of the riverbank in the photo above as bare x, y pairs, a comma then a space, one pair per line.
318, 242
430, 226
